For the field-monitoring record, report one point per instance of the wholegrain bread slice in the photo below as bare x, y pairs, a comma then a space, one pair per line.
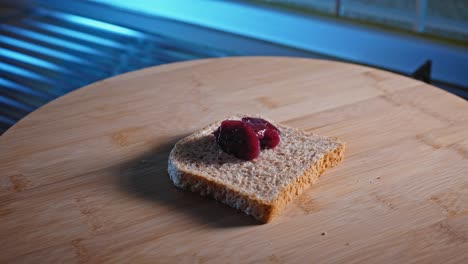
261, 187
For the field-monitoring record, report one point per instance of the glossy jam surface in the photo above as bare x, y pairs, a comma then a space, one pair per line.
244, 138
239, 139
268, 134
271, 139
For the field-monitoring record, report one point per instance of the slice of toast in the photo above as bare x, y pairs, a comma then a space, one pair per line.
261, 187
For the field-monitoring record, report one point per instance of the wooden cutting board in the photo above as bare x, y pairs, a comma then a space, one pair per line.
83, 179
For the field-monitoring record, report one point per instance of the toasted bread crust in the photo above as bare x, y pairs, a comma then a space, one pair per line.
263, 212
310, 176
234, 198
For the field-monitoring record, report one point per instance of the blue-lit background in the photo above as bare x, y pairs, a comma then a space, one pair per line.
50, 47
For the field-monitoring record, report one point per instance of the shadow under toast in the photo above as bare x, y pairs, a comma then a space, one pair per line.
146, 177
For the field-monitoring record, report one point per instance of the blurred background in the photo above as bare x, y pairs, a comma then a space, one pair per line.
51, 47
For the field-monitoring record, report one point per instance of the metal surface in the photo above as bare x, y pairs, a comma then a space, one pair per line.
289, 31
45, 53
51, 47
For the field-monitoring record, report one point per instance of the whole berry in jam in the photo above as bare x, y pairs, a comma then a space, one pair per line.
244, 138
267, 133
239, 139
271, 139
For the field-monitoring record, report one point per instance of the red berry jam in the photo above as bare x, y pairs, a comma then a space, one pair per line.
267, 133
259, 124
271, 139
244, 138
239, 139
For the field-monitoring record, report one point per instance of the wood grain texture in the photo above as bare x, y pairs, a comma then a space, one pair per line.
83, 179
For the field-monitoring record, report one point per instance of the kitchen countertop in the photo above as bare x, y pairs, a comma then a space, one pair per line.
84, 177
